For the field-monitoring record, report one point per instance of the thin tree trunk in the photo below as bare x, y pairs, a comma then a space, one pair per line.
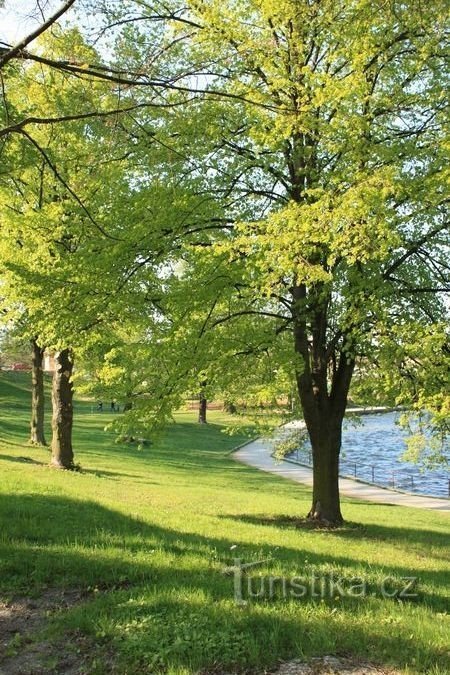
62, 419
202, 407
128, 405
37, 436
229, 407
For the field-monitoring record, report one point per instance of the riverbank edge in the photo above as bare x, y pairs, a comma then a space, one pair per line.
352, 411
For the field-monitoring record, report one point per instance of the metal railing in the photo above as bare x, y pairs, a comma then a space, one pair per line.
392, 478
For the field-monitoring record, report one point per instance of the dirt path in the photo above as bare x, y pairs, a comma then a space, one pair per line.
331, 665
22, 652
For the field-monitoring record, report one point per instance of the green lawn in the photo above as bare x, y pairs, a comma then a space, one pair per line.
148, 533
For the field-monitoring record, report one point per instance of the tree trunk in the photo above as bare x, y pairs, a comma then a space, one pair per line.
62, 402
202, 407
128, 405
229, 407
323, 399
325, 506
37, 436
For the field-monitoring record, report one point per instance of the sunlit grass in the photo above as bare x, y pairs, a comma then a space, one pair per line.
149, 533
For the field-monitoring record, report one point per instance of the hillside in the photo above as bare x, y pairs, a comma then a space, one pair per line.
132, 551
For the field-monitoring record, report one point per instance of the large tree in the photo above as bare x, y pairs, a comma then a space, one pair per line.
298, 227
321, 161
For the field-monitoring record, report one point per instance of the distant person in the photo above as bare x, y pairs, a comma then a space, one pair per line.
113, 406
100, 406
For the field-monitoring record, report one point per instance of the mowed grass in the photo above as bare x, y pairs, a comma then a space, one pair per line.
149, 532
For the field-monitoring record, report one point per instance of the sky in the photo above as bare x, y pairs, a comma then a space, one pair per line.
19, 17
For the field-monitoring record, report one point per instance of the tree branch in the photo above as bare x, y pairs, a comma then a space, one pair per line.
18, 127
413, 248
65, 184
17, 49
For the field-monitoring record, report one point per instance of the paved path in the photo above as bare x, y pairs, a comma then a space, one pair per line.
259, 454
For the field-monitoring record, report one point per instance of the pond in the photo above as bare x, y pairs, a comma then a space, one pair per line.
372, 450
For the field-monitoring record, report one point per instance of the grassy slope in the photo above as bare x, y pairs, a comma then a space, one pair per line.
156, 527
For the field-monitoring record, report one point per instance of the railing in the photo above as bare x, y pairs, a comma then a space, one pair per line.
392, 478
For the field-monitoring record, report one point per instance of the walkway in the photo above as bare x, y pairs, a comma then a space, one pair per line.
259, 454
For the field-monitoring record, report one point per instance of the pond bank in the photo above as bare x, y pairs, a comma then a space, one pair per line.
258, 453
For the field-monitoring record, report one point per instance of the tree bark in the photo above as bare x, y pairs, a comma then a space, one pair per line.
202, 407
37, 436
128, 405
230, 407
326, 507
323, 403
62, 419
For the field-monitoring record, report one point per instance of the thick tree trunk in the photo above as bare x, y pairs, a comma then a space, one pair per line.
323, 398
202, 407
37, 436
62, 402
325, 506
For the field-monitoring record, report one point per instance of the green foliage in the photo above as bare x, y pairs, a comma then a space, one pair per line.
289, 178
420, 355
13, 348
290, 442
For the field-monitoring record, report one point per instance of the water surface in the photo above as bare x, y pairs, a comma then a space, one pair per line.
372, 451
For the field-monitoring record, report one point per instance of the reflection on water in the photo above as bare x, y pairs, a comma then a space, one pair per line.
372, 451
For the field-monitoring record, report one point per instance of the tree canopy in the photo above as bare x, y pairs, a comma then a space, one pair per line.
266, 206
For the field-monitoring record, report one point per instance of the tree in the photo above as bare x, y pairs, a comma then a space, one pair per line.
37, 436
284, 217
49, 228
320, 160
78, 250
19, 345
62, 404
202, 404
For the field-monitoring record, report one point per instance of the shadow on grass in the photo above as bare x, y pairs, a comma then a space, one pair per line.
13, 426
159, 633
350, 530
47, 539
178, 606
289, 522
22, 460
100, 473
103, 473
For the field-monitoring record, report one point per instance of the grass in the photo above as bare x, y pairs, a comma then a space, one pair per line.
148, 534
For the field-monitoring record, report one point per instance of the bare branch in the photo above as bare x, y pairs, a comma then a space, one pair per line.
18, 48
